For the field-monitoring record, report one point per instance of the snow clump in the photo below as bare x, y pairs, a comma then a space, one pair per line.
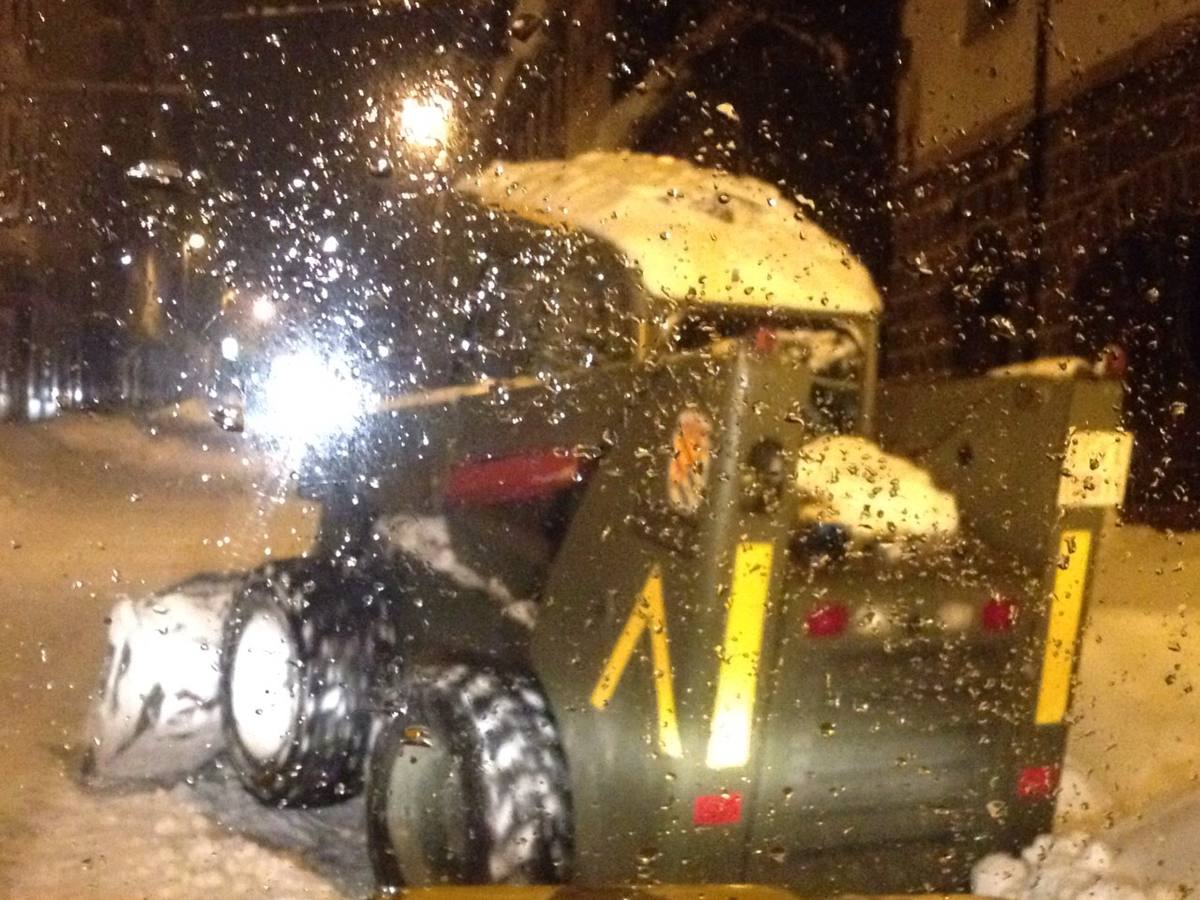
849, 480
1063, 867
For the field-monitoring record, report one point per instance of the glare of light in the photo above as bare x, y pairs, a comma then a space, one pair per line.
263, 309
309, 398
329, 245
196, 242
230, 348
426, 121
77, 395
126, 259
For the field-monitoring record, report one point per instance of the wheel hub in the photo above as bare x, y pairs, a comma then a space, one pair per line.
264, 700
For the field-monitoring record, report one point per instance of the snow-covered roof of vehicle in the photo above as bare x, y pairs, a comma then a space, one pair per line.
693, 232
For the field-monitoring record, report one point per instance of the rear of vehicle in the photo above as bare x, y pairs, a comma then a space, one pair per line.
771, 696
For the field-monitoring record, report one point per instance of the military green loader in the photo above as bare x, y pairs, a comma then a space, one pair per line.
645, 575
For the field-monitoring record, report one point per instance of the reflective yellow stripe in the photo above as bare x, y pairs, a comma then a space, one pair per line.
649, 610
1062, 632
733, 713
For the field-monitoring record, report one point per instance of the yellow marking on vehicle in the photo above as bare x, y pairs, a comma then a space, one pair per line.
1062, 631
737, 680
649, 611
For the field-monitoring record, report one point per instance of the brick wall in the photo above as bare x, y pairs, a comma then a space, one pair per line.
1121, 157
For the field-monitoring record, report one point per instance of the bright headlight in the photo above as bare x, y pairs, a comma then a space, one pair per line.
308, 397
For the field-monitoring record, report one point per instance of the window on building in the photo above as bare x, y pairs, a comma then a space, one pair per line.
984, 297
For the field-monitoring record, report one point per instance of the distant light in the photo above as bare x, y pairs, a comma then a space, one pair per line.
230, 348
263, 309
426, 121
126, 259
196, 241
160, 172
310, 397
329, 245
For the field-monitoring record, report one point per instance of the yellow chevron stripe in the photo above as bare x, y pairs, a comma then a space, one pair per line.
737, 680
1062, 631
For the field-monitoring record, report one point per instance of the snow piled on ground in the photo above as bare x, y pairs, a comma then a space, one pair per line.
154, 844
1064, 867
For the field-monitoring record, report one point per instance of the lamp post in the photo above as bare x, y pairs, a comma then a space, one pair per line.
193, 245
425, 127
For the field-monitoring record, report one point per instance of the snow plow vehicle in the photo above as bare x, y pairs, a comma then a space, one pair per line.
656, 579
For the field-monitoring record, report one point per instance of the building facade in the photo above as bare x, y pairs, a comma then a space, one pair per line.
1046, 203
84, 98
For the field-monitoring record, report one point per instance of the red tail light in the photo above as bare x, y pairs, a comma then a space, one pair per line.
998, 614
509, 479
717, 809
1037, 781
829, 620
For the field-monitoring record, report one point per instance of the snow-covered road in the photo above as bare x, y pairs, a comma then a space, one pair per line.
91, 508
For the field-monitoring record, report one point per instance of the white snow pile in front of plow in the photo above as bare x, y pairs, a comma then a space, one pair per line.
1063, 867
879, 497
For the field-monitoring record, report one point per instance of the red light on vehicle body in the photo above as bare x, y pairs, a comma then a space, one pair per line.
717, 809
998, 614
1035, 782
509, 479
829, 620
765, 339
1114, 361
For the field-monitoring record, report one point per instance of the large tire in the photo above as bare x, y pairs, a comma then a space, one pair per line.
468, 785
299, 660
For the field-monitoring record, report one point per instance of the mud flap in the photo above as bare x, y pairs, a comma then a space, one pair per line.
157, 713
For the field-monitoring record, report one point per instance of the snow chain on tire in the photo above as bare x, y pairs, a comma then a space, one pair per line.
493, 731
338, 628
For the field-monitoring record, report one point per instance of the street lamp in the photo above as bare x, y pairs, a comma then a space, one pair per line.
196, 242
263, 309
426, 121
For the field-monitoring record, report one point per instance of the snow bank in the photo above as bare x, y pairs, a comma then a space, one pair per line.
849, 480
1062, 867
692, 231
161, 844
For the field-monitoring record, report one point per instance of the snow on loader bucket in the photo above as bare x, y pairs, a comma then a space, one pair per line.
693, 610
157, 714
